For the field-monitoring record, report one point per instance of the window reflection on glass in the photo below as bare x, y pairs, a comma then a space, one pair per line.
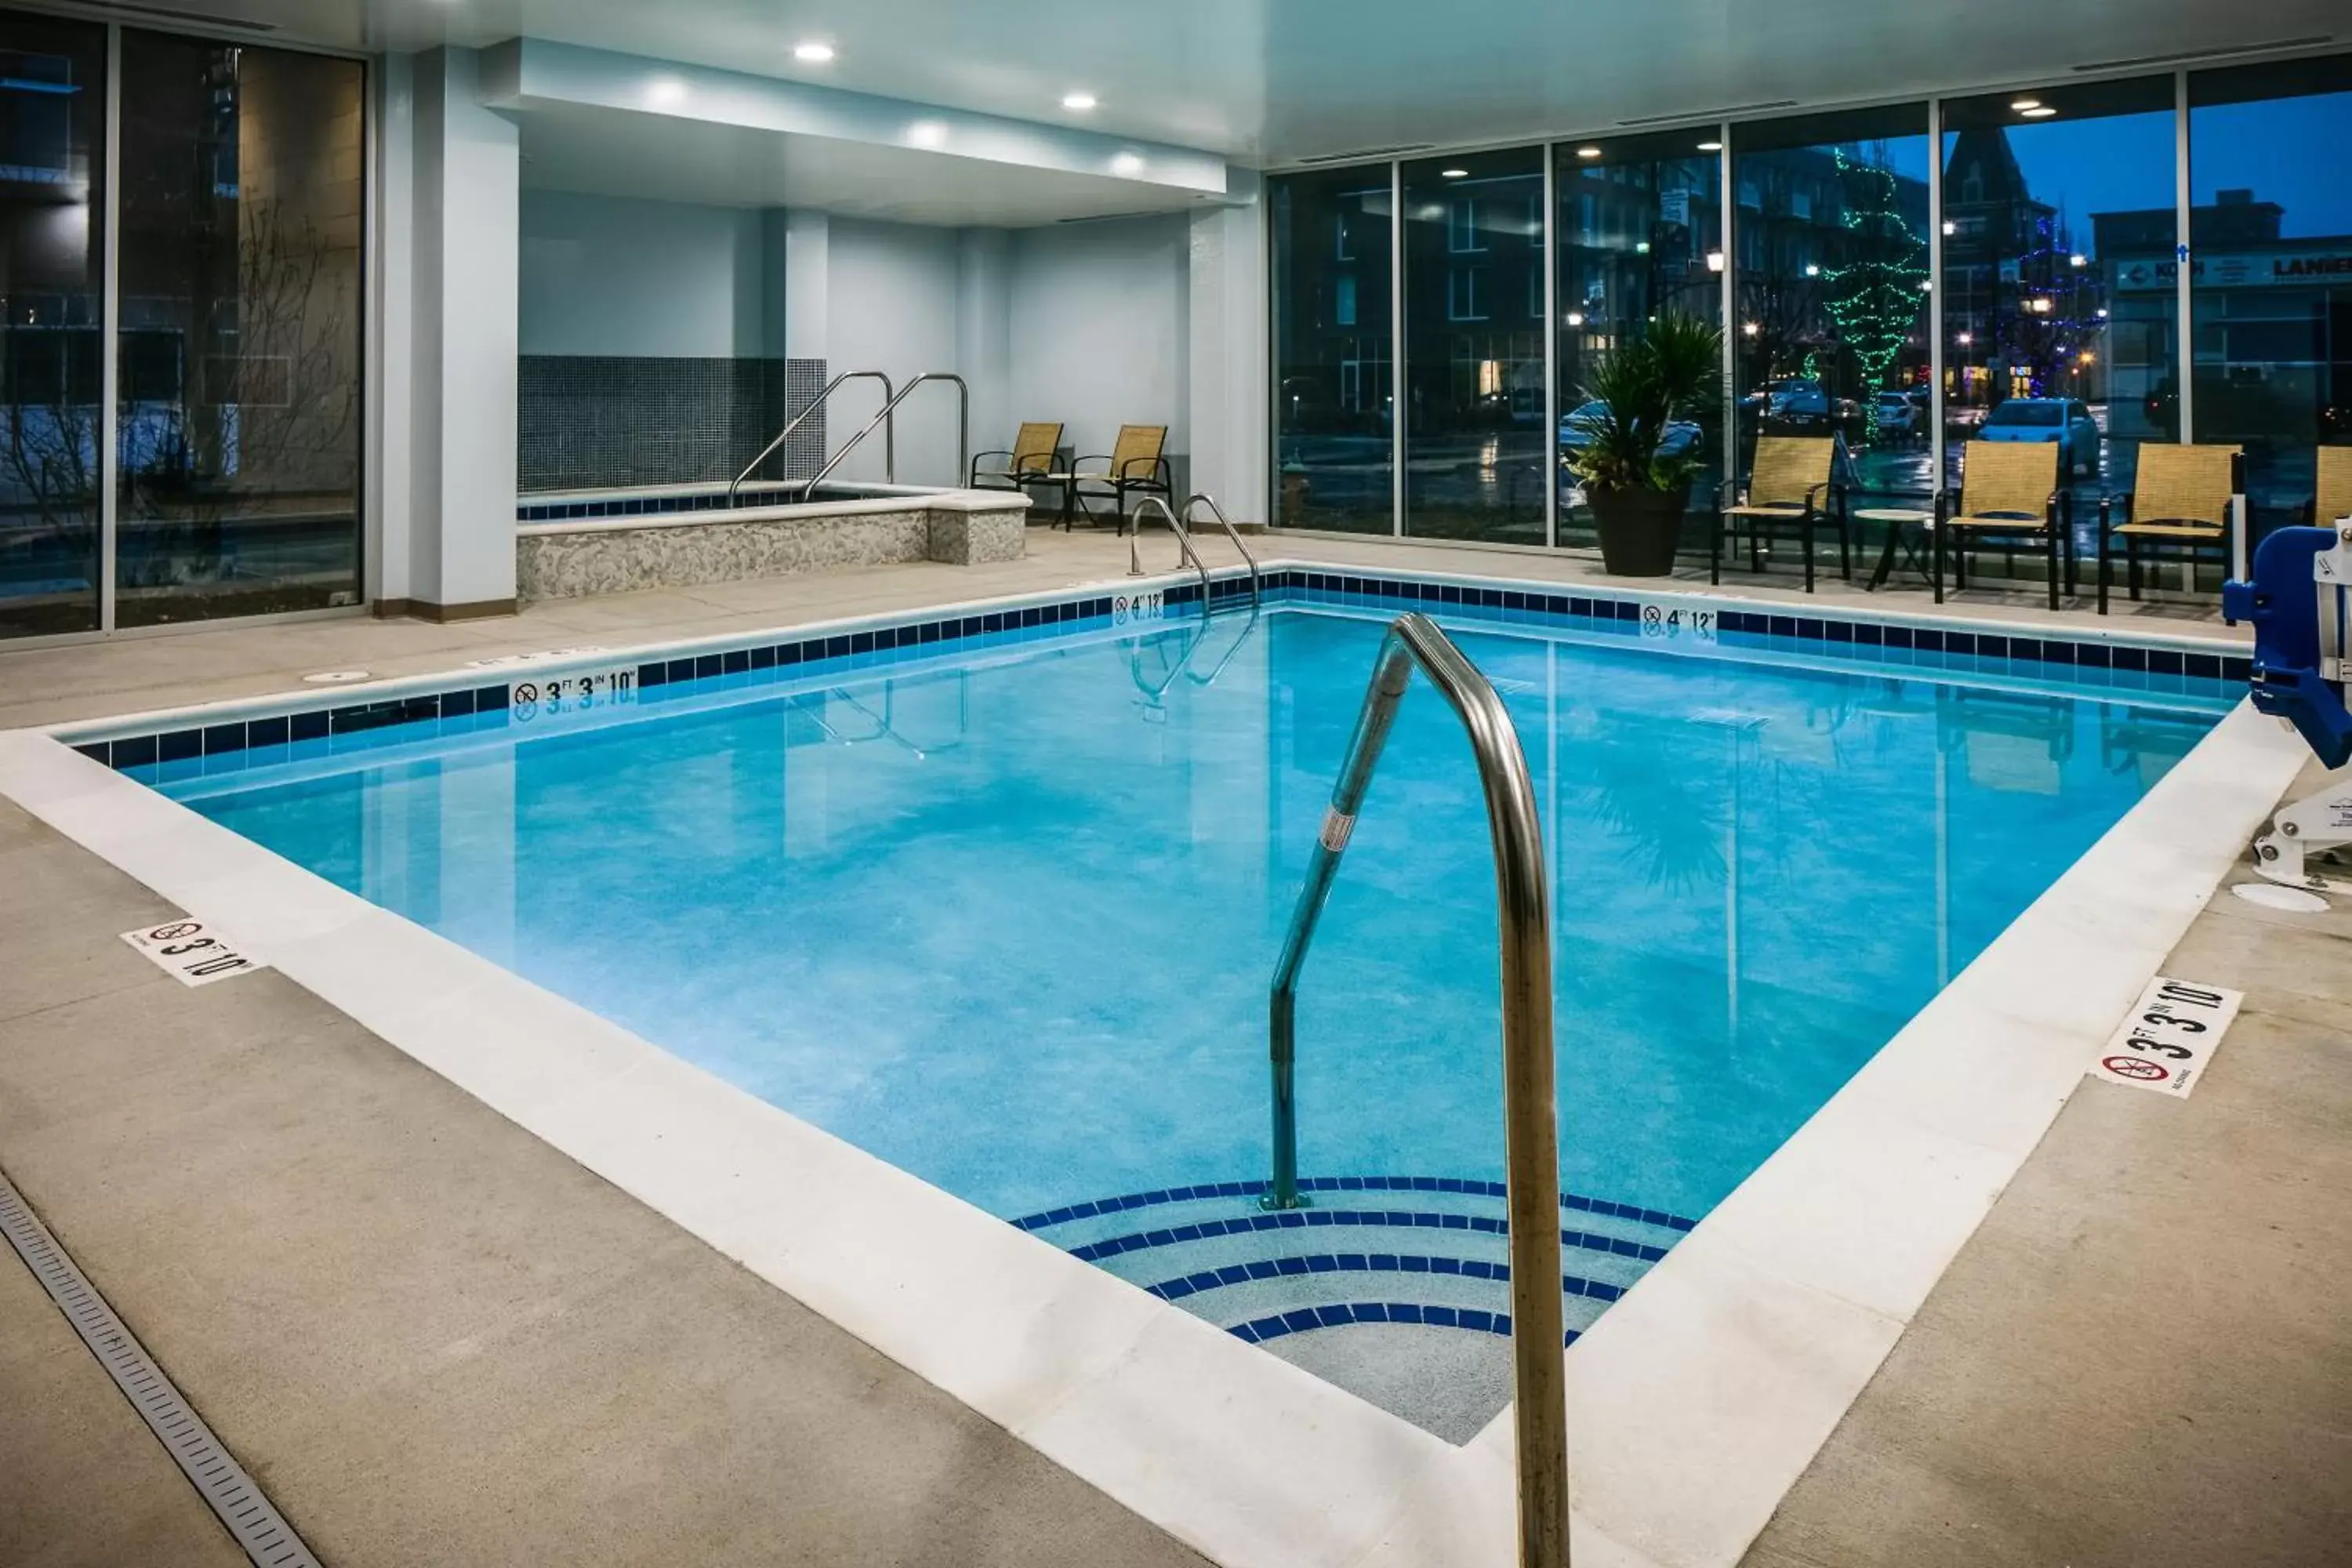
2271, 228
239, 417
1639, 231
1334, 358
1830, 304
52, 196
2059, 284
1475, 448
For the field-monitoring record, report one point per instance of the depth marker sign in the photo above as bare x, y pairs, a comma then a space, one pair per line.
2169, 1036
192, 952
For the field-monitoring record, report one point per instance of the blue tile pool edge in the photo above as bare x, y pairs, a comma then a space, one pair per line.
223, 730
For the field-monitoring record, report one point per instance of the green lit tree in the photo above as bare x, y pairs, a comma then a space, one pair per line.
1873, 297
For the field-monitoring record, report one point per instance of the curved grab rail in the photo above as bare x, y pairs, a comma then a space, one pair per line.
963, 430
1183, 546
1531, 1132
1232, 534
889, 438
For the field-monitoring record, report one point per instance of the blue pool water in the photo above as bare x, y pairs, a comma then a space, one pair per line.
1005, 917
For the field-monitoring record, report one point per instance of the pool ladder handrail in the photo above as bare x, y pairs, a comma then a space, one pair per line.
889, 437
1531, 1116
890, 409
1180, 522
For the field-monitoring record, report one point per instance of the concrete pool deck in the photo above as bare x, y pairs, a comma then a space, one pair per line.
167, 681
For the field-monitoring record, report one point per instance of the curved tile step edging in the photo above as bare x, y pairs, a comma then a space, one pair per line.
1263, 1276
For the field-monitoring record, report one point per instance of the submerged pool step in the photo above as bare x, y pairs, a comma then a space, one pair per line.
1388, 1249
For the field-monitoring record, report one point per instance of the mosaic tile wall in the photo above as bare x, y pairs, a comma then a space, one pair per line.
586, 423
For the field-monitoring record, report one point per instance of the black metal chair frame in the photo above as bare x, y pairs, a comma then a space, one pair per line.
2153, 547
2055, 528
1156, 479
1811, 515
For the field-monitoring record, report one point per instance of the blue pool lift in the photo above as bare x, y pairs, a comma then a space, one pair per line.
2298, 596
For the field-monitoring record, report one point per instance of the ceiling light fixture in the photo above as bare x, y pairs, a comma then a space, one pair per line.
813, 51
2044, 113
1588, 151
1081, 101
927, 133
665, 92
2023, 104
1125, 164
1453, 174
1710, 146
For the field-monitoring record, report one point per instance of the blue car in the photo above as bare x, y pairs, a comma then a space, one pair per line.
1681, 437
2060, 419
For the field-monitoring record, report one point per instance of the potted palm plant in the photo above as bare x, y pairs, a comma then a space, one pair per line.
1635, 445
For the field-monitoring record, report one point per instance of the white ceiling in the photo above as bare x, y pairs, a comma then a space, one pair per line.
1258, 82
613, 153
1274, 81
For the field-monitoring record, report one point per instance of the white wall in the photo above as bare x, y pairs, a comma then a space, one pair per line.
612, 275
890, 305
1100, 329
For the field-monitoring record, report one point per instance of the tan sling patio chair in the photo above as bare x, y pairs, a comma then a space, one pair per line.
2180, 501
2009, 491
1790, 489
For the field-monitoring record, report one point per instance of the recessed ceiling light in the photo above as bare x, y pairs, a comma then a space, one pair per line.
927, 133
1125, 164
813, 51
1081, 101
1453, 174
1588, 151
2044, 113
665, 91
1710, 146
2023, 104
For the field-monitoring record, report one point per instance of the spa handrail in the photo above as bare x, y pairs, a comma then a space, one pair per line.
1197, 499
963, 430
1531, 1132
1185, 552
889, 437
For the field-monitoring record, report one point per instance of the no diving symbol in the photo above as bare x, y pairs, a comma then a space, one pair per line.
525, 691
2137, 1067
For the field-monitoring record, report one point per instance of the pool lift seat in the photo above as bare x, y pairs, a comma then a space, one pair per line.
2299, 598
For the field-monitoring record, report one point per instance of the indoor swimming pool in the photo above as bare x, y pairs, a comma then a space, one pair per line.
1002, 912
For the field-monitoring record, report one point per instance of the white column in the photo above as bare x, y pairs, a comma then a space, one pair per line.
808, 241
984, 334
394, 347
467, 182
1227, 353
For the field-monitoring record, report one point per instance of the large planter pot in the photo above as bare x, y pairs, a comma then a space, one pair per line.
1639, 529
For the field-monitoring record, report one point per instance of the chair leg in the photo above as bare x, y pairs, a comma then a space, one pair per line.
1755, 549
2131, 560
1809, 555
1937, 550
1845, 549
2103, 561
1715, 548
2053, 568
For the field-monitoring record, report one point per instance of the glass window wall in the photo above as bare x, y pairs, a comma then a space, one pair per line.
2059, 288
242, 307
1830, 256
1475, 448
52, 322
2270, 229
1333, 354
1639, 231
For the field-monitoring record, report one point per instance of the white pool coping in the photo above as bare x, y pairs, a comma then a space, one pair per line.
1695, 1403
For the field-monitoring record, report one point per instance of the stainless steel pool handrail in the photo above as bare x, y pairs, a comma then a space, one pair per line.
1199, 497
890, 409
1185, 552
1531, 1116
889, 437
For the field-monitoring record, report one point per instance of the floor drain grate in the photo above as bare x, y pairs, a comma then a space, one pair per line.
266, 1536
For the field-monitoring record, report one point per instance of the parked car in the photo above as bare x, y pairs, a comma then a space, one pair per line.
1803, 404
2060, 419
1681, 438
1898, 416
